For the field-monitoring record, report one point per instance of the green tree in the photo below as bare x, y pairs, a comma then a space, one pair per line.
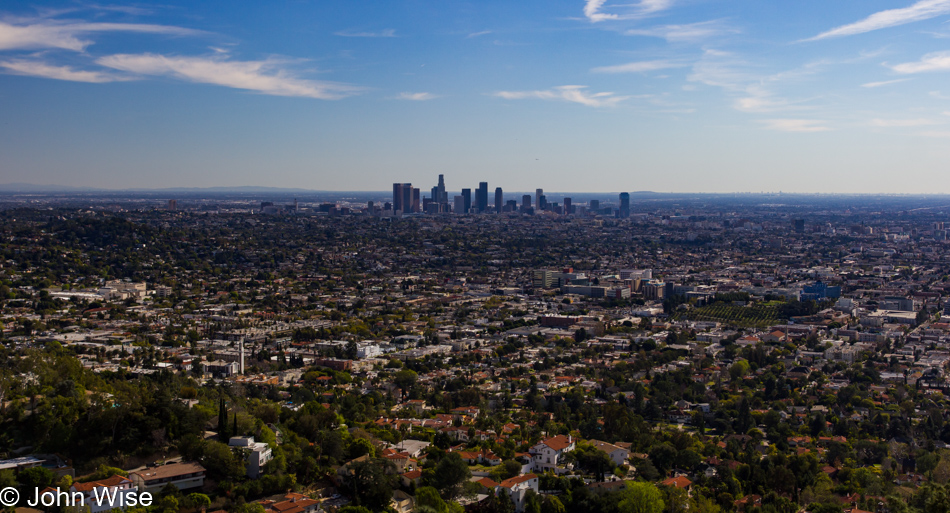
640, 497
428, 497
370, 484
450, 474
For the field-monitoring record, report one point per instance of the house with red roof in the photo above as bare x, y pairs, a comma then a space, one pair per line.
549, 453
105, 494
517, 489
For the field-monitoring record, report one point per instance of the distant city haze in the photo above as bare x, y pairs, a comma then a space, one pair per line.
566, 95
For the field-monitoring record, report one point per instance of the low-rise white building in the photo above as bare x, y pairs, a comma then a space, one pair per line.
259, 453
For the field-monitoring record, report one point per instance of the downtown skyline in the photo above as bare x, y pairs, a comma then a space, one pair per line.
585, 96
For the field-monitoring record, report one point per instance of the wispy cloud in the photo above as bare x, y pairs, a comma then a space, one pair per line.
885, 83
570, 93
755, 92
796, 125
760, 100
903, 122
382, 33
935, 133
687, 32
44, 70
640, 66
480, 33
44, 34
418, 97
936, 61
265, 77
922, 10
593, 10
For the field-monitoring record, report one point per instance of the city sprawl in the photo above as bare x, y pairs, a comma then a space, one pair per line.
612, 353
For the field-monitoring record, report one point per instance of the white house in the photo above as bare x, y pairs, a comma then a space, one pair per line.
258, 455
618, 455
517, 488
549, 452
104, 494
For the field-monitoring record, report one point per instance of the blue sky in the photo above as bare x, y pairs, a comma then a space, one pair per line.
663, 95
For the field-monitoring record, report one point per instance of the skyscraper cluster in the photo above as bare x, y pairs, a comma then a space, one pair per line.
406, 200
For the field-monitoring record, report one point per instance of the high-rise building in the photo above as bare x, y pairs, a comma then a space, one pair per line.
439, 195
542, 203
499, 200
402, 197
459, 207
467, 198
525, 202
443, 196
537, 197
397, 196
568, 210
416, 207
481, 197
624, 205
172, 204
594, 206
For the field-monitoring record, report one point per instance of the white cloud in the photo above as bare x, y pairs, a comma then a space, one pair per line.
593, 10
884, 83
44, 70
69, 35
796, 125
903, 122
922, 10
688, 32
639, 66
936, 61
480, 33
935, 133
760, 102
382, 33
416, 96
265, 77
570, 93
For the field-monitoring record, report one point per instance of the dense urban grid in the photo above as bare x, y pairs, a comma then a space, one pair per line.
623, 353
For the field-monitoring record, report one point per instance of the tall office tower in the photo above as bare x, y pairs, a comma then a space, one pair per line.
624, 205
415, 200
525, 202
459, 205
402, 197
172, 204
499, 200
481, 197
397, 196
443, 196
567, 207
542, 203
435, 194
510, 206
537, 197
407, 197
467, 197
594, 206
